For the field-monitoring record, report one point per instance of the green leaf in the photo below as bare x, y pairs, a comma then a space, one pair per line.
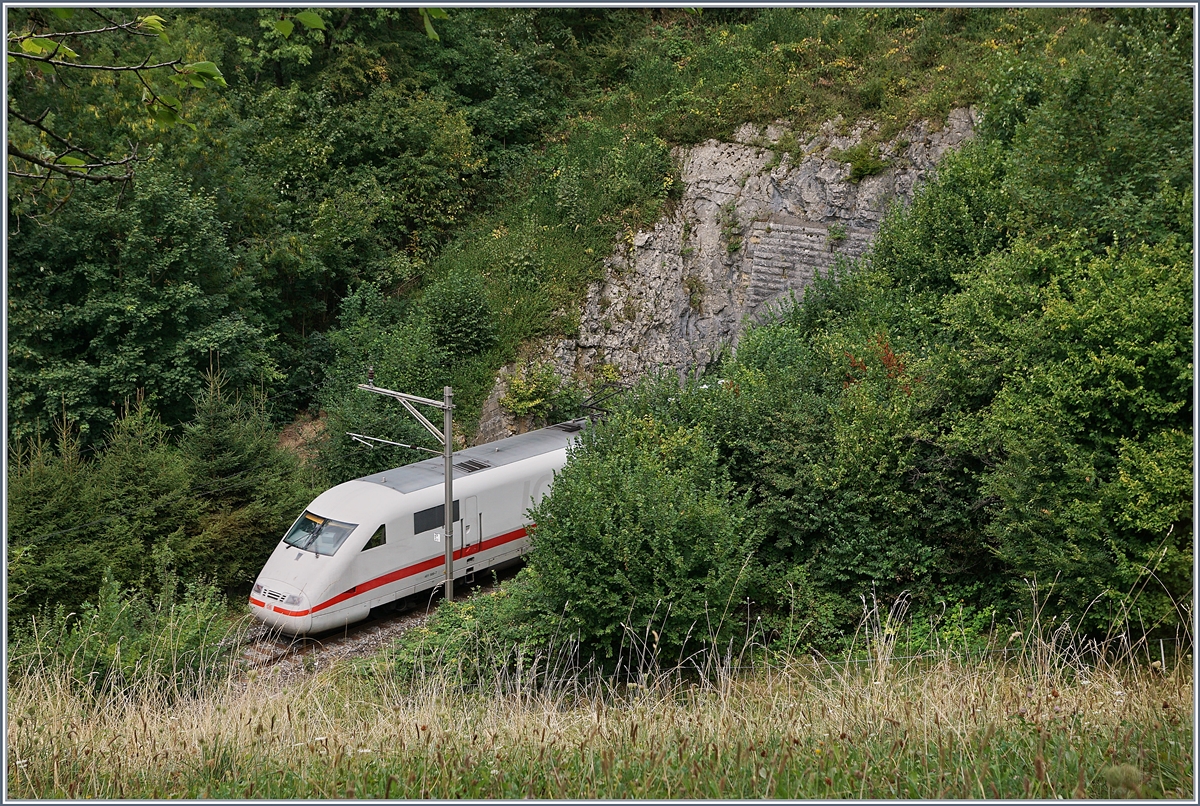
166, 115
59, 49
429, 32
70, 161
284, 27
46, 47
153, 22
204, 68
310, 20
169, 100
437, 13
204, 71
63, 13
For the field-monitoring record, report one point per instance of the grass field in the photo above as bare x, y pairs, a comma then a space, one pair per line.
1040, 716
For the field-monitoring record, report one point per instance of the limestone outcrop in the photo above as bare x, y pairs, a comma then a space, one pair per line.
754, 226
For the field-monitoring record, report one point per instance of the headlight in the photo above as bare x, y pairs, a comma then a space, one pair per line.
258, 587
294, 599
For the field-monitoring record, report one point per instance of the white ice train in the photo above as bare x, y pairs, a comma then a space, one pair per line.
378, 539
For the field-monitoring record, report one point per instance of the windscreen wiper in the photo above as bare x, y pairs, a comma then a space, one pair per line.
312, 539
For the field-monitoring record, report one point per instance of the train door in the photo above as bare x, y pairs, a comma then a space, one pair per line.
541, 489
372, 560
467, 533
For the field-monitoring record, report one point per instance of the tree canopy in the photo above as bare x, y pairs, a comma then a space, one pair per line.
219, 218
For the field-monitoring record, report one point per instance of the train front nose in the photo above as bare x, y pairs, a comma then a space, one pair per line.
281, 605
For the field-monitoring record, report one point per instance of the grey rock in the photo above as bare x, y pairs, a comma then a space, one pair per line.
752, 230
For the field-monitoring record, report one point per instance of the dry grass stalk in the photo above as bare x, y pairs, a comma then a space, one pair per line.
1047, 716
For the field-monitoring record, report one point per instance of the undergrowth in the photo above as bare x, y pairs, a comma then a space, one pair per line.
1043, 713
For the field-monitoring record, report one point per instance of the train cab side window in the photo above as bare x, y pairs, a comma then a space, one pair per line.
376, 540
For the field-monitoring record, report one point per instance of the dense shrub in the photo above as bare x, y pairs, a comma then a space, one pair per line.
109, 302
173, 641
923, 246
540, 395
1092, 402
215, 502
479, 638
1108, 149
458, 314
81, 517
642, 540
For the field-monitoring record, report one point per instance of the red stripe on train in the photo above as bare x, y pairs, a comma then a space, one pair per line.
401, 573
283, 612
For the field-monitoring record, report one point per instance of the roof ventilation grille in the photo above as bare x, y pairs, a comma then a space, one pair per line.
471, 465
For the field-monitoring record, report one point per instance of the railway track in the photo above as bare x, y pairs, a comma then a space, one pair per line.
264, 647
270, 647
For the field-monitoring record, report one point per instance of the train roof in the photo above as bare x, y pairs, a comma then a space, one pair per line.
432, 472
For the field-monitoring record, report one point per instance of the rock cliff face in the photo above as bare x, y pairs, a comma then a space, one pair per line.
753, 227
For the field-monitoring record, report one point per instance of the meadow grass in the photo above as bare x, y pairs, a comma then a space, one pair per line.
1041, 713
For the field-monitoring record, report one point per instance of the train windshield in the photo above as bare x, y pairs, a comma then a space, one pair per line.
318, 535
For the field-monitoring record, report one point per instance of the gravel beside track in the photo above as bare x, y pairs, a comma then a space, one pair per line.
283, 660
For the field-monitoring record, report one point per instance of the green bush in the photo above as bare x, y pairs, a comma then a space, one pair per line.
219, 498
951, 223
170, 641
1108, 149
80, 517
380, 332
477, 641
640, 550
539, 393
459, 315
250, 488
1097, 382
864, 161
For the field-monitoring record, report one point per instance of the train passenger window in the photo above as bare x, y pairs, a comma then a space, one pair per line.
376, 540
318, 535
432, 518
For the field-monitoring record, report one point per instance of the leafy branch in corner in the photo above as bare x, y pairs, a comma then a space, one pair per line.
46, 147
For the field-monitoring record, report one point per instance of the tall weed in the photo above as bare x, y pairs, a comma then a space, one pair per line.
177, 643
1040, 716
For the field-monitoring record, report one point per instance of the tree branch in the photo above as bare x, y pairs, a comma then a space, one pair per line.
68, 172
130, 27
113, 27
110, 68
37, 124
46, 153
